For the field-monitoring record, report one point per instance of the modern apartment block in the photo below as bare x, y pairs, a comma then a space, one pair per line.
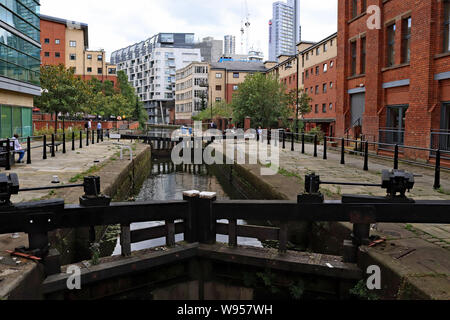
191, 91
318, 79
67, 42
284, 29
225, 78
394, 81
211, 50
151, 69
19, 65
229, 45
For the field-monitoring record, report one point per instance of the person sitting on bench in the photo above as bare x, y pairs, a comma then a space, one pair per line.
18, 148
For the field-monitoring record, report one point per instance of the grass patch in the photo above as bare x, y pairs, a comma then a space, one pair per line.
442, 191
91, 171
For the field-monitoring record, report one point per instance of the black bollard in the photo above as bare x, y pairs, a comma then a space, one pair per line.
64, 143
29, 150
303, 143
396, 157
343, 151
325, 156
284, 140
73, 141
292, 142
87, 138
437, 175
315, 146
8, 155
93, 137
45, 148
53, 145
366, 156
81, 139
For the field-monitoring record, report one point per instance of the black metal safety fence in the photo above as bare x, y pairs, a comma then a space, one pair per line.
50, 143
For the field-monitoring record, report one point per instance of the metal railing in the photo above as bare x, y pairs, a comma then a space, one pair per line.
440, 139
391, 136
50, 144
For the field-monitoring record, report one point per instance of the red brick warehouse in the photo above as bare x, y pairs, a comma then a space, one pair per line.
395, 79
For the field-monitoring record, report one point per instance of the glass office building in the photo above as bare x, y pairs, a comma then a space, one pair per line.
19, 65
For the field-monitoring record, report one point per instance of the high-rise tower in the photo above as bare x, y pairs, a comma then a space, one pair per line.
229, 45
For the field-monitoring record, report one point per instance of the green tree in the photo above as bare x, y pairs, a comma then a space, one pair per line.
59, 91
300, 101
263, 99
219, 110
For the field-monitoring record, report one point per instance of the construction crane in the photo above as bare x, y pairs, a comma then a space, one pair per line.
245, 27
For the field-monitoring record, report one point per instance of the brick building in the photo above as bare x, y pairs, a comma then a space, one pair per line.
394, 81
318, 79
67, 42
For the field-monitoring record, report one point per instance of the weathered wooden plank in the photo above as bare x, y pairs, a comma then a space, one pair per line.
249, 231
154, 233
125, 240
232, 233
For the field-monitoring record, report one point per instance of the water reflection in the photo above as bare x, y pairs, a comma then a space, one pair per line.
167, 182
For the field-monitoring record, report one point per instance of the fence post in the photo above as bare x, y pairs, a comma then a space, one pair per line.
437, 176
325, 146
396, 157
8, 154
303, 143
232, 233
45, 148
29, 150
87, 138
292, 142
81, 139
170, 237
366, 156
315, 146
53, 145
64, 142
98, 136
73, 140
284, 139
93, 137
206, 221
191, 221
343, 151
125, 239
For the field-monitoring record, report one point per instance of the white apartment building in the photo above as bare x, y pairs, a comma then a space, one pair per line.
151, 69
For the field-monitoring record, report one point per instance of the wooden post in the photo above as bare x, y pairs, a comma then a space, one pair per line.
232, 233
170, 237
207, 222
125, 239
283, 238
191, 221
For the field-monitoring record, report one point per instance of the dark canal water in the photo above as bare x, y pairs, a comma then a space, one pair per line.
164, 185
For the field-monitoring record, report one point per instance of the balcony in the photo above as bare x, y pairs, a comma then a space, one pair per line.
389, 137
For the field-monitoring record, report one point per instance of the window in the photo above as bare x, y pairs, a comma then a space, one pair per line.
307, 56
324, 88
100, 70
331, 106
57, 55
235, 74
325, 47
218, 76
325, 67
390, 54
363, 6
324, 108
218, 88
89, 69
316, 109
406, 40
73, 56
47, 54
57, 41
353, 57
317, 71
354, 8
331, 85
317, 89
72, 43
447, 26
46, 40
363, 55
306, 74
100, 57
331, 64
89, 56
317, 51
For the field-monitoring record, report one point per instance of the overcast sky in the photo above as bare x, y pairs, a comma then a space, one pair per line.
114, 24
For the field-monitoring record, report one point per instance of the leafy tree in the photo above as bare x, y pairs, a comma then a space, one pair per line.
60, 93
219, 110
261, 98
300, 101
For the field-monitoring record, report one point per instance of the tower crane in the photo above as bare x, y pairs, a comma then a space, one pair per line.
245, 27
